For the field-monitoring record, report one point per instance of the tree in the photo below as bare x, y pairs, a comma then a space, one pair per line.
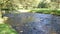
28, 4
57, 3
44, 4
7, 5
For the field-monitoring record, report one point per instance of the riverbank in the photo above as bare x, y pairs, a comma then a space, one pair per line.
42, 11
5, 28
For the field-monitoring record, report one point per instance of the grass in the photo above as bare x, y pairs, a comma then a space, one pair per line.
6, 29
46, 11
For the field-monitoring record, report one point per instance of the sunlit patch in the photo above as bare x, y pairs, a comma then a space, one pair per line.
1, 20
21, 31
12, 33
5, 18
23, 11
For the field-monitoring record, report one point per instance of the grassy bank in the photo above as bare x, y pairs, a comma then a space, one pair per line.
46, 11
6, 29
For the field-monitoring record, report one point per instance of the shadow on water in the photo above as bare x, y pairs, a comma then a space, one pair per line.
34, 23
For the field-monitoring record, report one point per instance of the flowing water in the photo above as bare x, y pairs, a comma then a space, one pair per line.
34, 23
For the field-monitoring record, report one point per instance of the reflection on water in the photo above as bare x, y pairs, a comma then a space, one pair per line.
34, 23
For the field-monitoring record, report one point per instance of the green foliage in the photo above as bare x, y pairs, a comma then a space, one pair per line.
29, 4
7, 4
46, 11
6, 29
43, 4
26, 4
57, 12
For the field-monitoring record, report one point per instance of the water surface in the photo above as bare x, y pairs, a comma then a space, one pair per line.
34, 23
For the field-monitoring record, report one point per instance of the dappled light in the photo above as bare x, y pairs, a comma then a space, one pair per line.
29, 16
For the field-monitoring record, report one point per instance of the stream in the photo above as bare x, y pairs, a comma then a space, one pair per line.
34, 23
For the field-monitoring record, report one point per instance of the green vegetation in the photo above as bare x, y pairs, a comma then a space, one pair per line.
6, 29
10, 5
46, 11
